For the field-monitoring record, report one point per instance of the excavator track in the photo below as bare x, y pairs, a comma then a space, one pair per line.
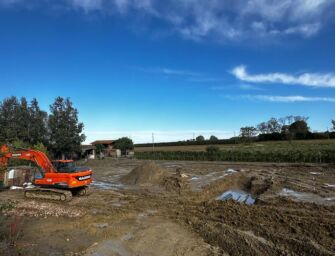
48, 194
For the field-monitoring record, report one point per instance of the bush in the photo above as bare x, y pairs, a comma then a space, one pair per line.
212, 149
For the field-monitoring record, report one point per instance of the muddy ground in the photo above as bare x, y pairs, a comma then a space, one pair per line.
294, 213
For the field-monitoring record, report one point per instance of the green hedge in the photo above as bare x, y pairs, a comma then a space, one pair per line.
289, 156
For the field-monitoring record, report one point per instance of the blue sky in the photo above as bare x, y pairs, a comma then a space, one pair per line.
175, 68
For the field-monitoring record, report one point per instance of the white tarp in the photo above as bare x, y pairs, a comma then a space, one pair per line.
11, 174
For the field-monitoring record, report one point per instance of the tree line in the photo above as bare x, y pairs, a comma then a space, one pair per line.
285, 128
25, 124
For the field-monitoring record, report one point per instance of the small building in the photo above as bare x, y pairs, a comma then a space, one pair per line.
108, 145
88, 151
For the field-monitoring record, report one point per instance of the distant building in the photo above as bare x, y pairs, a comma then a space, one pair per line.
88, 151
108, 145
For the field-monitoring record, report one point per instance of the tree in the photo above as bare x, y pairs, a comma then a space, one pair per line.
274, 125
263, 128
333, 123
213, 138
66, 132
100, 148
124, 144
9, 116
23, 121
38, 132
301, 118
299, 129
248, 132
200, 138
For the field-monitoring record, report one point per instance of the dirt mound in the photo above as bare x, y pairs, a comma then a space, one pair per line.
259, 185
239, 181
175, 184
148, 173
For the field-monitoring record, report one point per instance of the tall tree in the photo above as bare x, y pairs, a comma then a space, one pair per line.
23, 121
200, 138
66, 132
333, 123
274, 125
38, 124
248, 132
213, 138
299, 129
263, 128
9, 116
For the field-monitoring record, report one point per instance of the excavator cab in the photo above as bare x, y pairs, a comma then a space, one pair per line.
64, 166
67, 166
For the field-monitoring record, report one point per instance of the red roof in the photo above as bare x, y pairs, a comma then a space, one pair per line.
102, 142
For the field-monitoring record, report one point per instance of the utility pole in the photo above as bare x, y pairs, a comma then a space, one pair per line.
153, 142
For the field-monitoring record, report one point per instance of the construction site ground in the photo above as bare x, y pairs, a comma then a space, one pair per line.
171, 214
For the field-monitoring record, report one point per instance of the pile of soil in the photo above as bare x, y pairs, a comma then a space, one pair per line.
148, 173
259, 185
175, 184
239, 181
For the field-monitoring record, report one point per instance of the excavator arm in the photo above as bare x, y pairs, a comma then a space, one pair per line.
38, 157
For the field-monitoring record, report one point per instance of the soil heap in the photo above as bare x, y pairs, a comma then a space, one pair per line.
148, 173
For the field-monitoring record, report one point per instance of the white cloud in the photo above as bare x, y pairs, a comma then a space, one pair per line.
287, 99
88, 5
143, 136
171, 72
215, 19
305, 79
9, 2
168, 71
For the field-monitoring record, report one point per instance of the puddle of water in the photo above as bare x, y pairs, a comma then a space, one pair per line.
290, 192
305, 197
194, 178
106, 185
238, 196
329, 185
230, 171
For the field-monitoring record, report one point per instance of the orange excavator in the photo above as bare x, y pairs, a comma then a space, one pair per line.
57, 180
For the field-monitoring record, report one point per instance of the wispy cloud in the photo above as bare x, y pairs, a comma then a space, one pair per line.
168, 71
283, 99
186, 75
242, 86
213, 19
88, 5
305, 79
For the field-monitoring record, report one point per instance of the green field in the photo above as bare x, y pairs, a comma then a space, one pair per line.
309, 151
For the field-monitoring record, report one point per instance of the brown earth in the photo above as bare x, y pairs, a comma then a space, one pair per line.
149, 173
178, 215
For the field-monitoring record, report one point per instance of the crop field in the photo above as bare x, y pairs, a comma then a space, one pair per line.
313, 151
